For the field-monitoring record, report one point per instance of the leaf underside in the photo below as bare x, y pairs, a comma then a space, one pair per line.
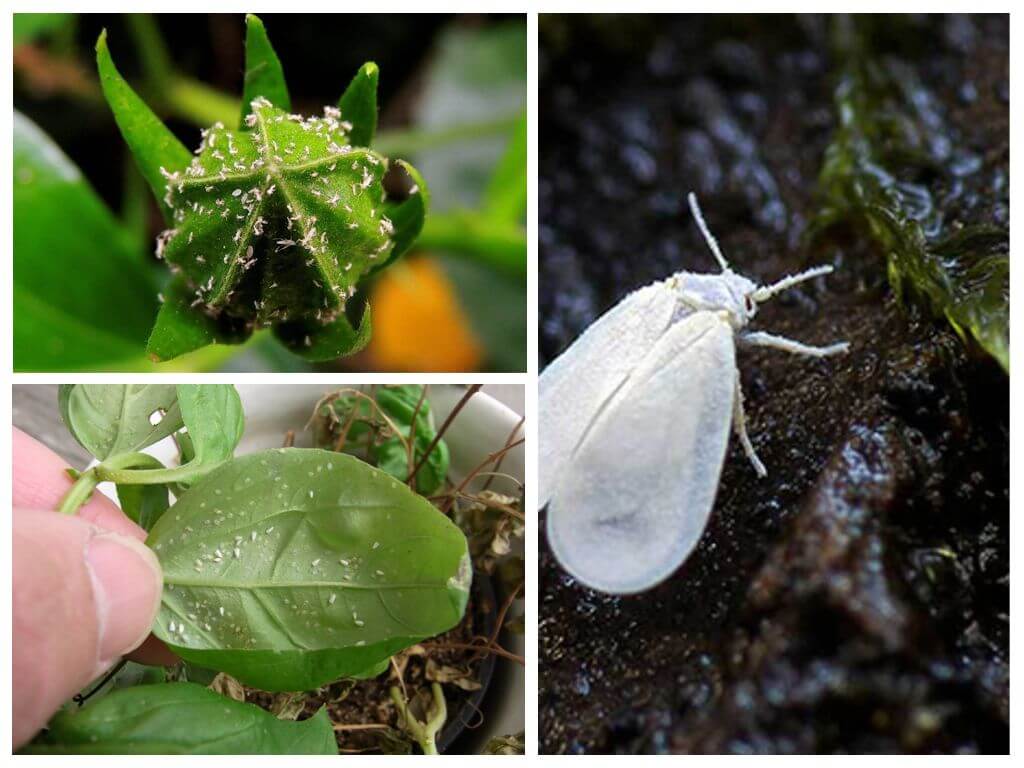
108, 419
294, 567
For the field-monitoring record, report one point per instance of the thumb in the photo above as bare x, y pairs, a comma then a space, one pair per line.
82, 597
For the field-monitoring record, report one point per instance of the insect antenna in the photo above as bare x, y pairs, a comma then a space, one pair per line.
708, 237
765, 292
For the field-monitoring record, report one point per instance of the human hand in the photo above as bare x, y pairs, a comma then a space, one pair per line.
85, 589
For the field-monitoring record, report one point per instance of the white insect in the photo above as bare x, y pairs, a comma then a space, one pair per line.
635, 417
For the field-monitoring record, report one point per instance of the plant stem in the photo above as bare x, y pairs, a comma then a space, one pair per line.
149, 45
472, 390
199, 103
87, 481
408, 142
79, 493
498, 244
150, 472
425, 733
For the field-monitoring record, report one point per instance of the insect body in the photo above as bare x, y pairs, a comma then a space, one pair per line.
635, 419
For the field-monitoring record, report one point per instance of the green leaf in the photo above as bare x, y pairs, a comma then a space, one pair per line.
29, 27
181, 719
362, 439
213, 415
374, 670
504, 198
263, 73
110, 419
291, 568
157, 151
143, 504
358, 105
407, 215
478, 74
72, 263
321, 343
214, 418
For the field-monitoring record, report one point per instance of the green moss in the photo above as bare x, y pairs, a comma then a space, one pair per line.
878, 179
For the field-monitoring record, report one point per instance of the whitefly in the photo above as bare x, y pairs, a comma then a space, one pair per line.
635, 419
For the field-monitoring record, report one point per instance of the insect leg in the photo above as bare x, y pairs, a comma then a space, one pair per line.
762, 339
739, 423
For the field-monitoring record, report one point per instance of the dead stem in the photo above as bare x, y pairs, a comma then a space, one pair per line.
289, 438
411, 453
359, 726
490, 503
479, 467
489, 644
339, 445
472, 390
509, 439
400, 676
373, 404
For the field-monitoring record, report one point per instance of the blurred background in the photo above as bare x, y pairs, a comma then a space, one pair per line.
452, 100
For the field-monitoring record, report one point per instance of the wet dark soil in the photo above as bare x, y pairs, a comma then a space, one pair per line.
856, 600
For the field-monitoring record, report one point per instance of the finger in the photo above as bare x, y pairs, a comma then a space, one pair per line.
82, 597
40, 482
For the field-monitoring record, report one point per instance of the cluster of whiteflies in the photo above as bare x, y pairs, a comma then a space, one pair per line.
278, 222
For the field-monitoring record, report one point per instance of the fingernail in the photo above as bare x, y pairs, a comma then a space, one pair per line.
127, 583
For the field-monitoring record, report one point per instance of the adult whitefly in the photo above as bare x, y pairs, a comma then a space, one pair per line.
635, 418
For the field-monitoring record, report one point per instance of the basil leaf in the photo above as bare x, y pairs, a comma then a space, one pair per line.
358, 105
399, 404
156, 150
181, 719
374, 670
144, 503
290, 568
109, 419
214, 418
263, 73
130, 675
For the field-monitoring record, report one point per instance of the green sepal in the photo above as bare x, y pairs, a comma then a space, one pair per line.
263, 73
321, 343
407, 216
180, 328
358, 105
157, 151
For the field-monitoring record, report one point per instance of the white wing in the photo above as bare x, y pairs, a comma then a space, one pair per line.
635, 498
578, 384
